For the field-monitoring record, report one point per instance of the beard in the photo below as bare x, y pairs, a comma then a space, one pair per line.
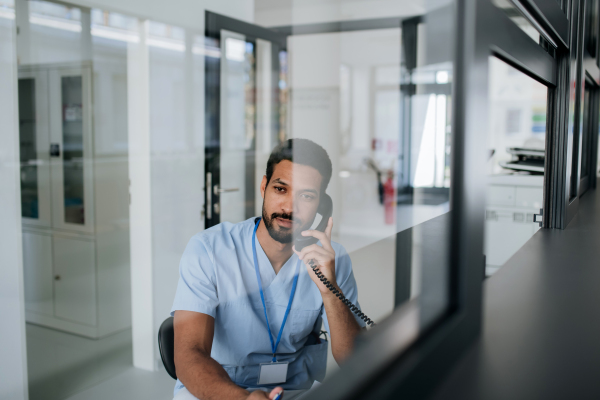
281, 235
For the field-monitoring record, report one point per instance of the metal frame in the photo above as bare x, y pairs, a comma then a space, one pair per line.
340, 26
550, 16
590, 125
591, 82
563, 144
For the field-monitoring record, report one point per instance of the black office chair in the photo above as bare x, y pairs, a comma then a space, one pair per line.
166, 345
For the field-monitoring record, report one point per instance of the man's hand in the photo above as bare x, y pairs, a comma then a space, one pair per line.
202, 375
323, 257
260, 395
342, 324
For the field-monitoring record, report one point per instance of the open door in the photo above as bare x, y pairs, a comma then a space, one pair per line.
246, 94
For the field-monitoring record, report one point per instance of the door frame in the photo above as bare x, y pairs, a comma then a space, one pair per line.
214, 24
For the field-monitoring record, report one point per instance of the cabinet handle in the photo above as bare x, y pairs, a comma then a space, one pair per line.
57, 278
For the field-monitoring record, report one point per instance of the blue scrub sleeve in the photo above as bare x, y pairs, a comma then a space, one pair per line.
346, 282
197, 290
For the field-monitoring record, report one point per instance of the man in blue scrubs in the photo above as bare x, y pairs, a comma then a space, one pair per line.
248, 308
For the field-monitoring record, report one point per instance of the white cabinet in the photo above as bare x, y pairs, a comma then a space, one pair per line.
512, 201
74, 280
37, 270
74, 207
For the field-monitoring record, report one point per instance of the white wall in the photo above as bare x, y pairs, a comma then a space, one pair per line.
296, 12
13, 360
177, 166
333, 83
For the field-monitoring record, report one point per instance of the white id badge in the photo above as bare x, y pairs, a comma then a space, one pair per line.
273, 372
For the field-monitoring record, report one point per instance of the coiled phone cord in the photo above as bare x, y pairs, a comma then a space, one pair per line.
339, 294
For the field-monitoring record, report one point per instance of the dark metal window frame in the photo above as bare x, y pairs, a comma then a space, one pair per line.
590, 83
575, 62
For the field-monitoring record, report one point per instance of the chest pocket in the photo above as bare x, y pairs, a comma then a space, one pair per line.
303, 322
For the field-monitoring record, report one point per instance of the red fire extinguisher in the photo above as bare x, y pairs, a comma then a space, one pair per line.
389, 200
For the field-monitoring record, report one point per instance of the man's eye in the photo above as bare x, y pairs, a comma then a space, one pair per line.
279, 189
307, 197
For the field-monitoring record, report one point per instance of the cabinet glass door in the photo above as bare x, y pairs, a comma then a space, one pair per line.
72, 140
71, 149
33, 141
28, 150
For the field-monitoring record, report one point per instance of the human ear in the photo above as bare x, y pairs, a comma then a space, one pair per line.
263, 186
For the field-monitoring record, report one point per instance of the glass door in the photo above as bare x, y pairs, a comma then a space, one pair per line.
71, 148
245, 116
238, 127
34, 147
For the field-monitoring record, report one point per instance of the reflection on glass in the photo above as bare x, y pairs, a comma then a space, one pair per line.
72, 136
28, 151
517, 130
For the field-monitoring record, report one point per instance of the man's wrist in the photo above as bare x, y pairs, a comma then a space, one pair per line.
329, 294
243, 394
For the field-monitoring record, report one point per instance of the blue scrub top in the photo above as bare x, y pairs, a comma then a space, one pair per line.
217, 278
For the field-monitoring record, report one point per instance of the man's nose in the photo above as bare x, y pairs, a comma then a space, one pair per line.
287, 206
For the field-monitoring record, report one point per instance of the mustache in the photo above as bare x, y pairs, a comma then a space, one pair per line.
282, 216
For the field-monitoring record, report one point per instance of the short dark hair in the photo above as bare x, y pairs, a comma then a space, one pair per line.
301, 151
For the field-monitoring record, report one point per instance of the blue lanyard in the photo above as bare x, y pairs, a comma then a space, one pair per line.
262, 296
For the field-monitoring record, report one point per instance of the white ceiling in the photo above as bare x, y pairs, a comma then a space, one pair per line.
296, 12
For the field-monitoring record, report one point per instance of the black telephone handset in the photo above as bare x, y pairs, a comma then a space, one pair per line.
326, 210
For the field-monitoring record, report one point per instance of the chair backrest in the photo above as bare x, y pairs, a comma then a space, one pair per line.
166, 345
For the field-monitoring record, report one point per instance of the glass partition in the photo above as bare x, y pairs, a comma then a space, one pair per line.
181, 127
379, 101
377, 98
516, 155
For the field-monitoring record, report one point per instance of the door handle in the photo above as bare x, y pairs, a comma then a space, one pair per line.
228, 190
54, 150
209, 205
